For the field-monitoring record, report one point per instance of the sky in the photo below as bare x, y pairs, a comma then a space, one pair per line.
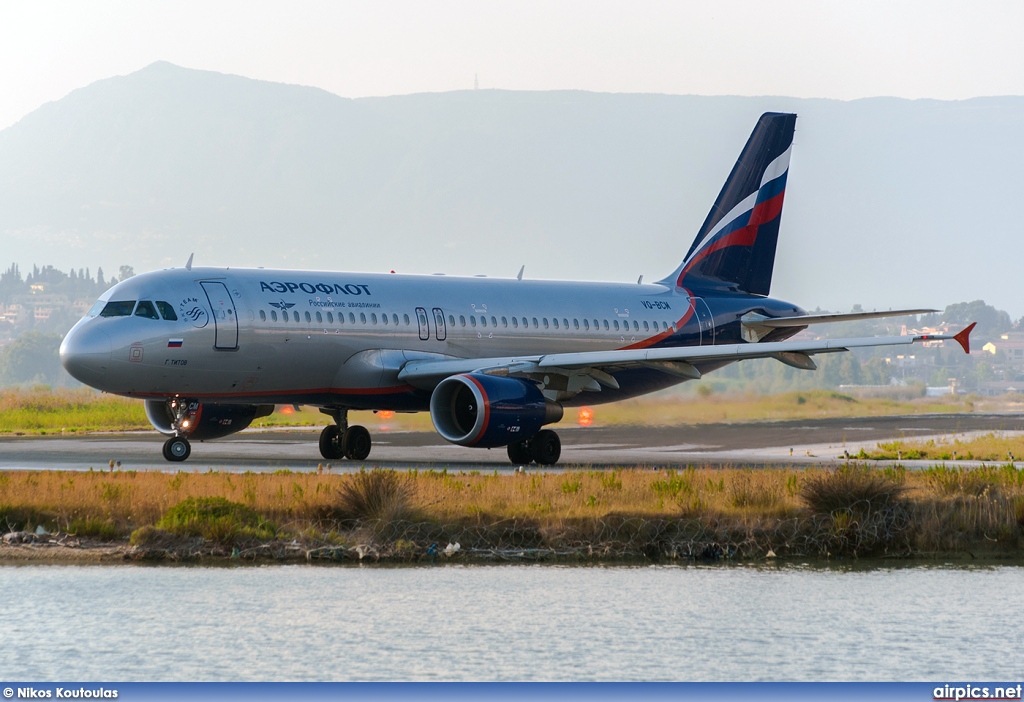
844, 50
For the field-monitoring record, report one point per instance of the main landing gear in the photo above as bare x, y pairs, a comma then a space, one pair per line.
544, 447
342, 441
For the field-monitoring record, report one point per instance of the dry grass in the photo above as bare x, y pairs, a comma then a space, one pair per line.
698, 510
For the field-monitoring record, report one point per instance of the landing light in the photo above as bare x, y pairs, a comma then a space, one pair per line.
386, 414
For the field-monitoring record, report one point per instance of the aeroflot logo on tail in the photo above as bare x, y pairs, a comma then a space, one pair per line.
310, 288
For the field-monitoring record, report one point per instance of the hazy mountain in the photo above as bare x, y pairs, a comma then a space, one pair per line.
891, 202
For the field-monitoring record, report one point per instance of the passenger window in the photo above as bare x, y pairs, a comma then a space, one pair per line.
535, 324
451, 320
383, 319
494, 322
330, 318
636, 325
462, 321
586, 325
273, 315
525, 325
555, 320
472, 320
352, 318
483, 321
597, 325
308, 318
263, 316
615, 324
394, 318
405, 318
565, 322
118, 309
646, 328
284, 316
606, 325
319, 318
575, 323
504, 323
147, 310
515, 323
362, 317
295, 316
166, 311
373, 317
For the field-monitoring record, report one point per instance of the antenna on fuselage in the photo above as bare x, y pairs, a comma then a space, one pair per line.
188, 264
640, 280
520, 276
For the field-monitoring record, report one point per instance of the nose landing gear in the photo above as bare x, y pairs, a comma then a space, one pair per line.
339, 440
177, 449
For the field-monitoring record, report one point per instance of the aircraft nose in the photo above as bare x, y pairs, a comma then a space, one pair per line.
85, 353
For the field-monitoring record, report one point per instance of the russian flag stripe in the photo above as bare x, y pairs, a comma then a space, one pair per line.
174, 343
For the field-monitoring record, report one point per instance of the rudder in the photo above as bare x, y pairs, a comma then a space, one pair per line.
735, 248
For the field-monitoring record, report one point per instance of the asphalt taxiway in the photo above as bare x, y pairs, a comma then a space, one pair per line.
758, 444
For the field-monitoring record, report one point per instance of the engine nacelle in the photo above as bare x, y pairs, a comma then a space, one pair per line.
474, 409
204, 420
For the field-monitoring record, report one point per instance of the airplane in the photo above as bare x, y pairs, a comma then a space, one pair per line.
494, 361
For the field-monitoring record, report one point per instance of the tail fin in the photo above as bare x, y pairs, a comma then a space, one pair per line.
735, 249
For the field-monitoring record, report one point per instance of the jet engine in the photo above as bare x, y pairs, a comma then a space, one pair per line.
202, 421
474, 409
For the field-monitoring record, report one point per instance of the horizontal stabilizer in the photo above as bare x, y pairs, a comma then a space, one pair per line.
808, 319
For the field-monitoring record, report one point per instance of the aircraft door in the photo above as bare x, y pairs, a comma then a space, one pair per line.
225, 319
706, 321
424, 322
439, 326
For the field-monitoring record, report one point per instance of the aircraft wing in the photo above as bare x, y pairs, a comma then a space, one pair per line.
598, 365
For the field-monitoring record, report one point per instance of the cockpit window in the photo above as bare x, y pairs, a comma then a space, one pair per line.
146, 309
167, 311
96, 308
120, 308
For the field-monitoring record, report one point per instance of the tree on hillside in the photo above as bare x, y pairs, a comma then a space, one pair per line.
991, 322
33, 358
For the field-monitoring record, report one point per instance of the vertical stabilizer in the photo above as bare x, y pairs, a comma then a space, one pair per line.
735, 248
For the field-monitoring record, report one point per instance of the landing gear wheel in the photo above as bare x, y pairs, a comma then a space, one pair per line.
177, 449
546, 447
330, 443
355, 444
519, 453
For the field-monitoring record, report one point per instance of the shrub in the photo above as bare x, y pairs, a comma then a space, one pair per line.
216, 519
852, 490
381, 495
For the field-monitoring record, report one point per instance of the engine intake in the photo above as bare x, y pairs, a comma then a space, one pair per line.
474, 409
204, 420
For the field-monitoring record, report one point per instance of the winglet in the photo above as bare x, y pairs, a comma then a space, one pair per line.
964, 337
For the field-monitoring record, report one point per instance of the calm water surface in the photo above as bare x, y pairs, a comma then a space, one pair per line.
129, 623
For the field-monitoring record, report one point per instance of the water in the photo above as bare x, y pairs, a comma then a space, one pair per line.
125, 623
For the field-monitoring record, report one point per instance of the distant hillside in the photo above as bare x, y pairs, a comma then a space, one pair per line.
891, 202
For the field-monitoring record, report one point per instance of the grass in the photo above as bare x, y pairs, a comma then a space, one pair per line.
44, 411
990, 447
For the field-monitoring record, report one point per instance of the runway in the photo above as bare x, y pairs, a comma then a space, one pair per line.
757, 444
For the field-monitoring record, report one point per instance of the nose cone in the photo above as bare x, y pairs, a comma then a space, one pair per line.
85, 354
